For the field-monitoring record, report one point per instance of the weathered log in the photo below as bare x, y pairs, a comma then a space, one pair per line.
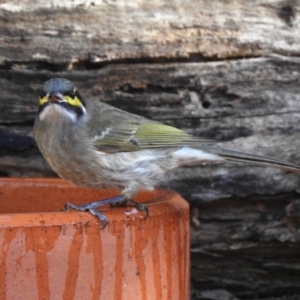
248, 246
69, 33
227, 101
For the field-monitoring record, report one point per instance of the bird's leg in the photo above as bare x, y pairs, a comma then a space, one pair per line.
119, 203
126, 196
129, 194
91, 207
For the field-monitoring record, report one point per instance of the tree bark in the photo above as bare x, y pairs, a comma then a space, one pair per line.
224, 70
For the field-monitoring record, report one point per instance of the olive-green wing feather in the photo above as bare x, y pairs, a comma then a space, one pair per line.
137, 136
163, 136
142, 134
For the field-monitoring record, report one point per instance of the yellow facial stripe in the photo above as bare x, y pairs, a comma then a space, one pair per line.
43, 100
71, 98
73, 101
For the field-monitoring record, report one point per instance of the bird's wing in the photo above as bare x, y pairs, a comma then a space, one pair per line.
141, 134
136, 136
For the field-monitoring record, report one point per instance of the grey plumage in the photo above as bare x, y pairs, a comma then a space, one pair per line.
60, 85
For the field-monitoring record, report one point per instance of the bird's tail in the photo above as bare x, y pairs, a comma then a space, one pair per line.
232, 155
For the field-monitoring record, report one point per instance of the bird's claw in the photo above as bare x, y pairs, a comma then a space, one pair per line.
93, 211
91, 207
141, 207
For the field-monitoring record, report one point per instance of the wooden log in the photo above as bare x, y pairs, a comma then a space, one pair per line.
247, 246
227, 101
70, 33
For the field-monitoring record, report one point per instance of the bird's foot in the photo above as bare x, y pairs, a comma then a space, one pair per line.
139, 206
91, 207
114, 201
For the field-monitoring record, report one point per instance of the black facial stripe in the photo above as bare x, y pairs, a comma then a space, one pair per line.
42, 107
77, 94
70, 94
78, 110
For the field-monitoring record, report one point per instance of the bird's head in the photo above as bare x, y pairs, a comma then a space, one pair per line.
60, 96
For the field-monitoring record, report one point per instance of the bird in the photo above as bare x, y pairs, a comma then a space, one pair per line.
93, 144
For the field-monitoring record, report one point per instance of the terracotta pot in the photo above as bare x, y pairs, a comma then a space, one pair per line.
46, 253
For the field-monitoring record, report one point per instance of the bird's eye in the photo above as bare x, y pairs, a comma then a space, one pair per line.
42, 95
70, 94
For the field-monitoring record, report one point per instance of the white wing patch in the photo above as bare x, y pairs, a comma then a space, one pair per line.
102, 134
189, 155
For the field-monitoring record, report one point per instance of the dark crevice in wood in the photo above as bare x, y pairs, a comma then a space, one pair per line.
90, 65
148, 89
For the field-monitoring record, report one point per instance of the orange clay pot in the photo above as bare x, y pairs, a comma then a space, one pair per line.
46, 253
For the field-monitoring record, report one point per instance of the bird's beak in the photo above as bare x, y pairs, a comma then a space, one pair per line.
54, 97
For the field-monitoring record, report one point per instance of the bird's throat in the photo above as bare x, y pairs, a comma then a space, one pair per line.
56, 113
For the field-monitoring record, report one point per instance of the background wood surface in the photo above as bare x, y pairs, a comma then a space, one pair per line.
227, 70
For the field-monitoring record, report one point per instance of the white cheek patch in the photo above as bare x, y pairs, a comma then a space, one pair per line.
44, 113
52, 111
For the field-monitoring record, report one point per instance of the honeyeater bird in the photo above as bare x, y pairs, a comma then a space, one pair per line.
95, 145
